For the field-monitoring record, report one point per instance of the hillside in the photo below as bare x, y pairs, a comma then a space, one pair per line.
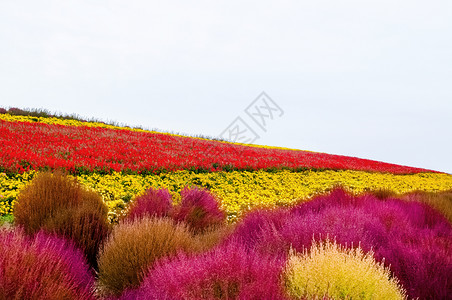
100, 211
37, 143
121, 162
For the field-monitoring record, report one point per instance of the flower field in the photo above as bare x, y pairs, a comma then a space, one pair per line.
105, 212
29, 144
239, 191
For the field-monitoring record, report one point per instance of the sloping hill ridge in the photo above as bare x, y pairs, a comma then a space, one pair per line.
41, 142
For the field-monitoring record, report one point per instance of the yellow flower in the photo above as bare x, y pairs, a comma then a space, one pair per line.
239, 191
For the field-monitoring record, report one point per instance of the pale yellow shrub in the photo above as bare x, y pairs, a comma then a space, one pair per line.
330, 270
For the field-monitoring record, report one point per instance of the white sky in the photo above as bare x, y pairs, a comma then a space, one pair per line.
371, 79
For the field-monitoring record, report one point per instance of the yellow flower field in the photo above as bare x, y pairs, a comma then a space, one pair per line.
239, 191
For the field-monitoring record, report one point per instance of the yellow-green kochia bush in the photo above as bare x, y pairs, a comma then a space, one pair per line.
330, 270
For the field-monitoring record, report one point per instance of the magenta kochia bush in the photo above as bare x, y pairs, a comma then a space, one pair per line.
228, 272
258, 231
420, 248
154, 202
43, 267
199, 209
414, 240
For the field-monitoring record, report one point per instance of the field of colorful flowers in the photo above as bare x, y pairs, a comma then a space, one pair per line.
150, 215
121, 163
30, 144
239, 191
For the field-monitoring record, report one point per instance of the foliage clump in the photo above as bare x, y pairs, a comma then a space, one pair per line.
134, 246
229, 272
154, 202
199, 209
57, 204
336, 272
43, 267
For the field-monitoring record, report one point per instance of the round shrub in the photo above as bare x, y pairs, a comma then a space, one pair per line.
86, 225
199, 209
58, 204
42, 198
43, 267
134, 246
154, 202
339, 273
229, 272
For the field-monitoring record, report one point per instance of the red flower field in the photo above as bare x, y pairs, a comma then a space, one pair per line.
28, 146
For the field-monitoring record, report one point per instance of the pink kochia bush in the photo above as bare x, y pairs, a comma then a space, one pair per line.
229, 272
154, 202
199, 209
43, 267
414, 240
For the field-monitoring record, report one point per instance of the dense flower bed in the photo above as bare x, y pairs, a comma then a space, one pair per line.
239, 191
29, 144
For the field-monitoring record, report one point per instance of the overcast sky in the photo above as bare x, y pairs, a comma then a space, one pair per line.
371, 79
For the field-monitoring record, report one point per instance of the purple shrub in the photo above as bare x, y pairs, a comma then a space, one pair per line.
43, 267
228, 272
420, 215
348, 227
422, 263
337, 197
413, 239
419, 251
258, 222
154, 202
199, 209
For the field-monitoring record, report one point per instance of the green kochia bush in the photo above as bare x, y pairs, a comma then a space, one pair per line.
57, 204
